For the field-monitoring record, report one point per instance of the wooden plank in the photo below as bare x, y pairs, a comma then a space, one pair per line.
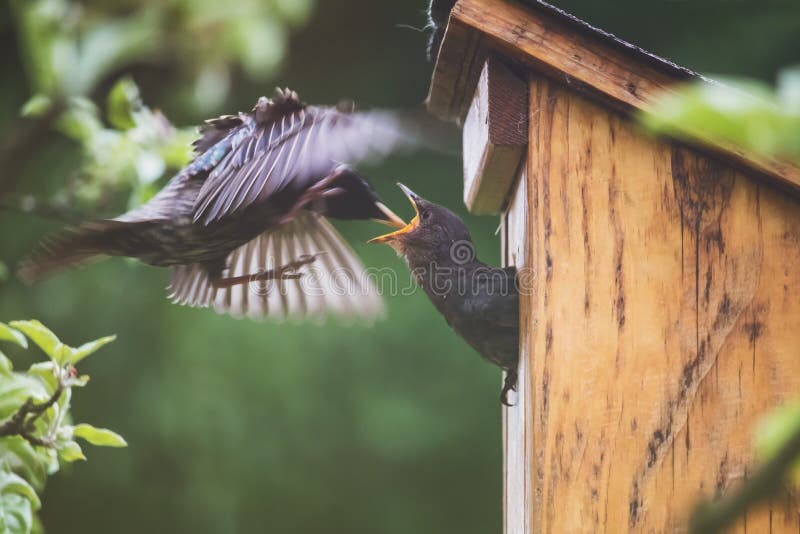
495, 135
666, 309
516, 419
455, 75
577, 59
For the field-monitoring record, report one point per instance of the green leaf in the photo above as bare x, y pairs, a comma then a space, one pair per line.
86, 349
18, 388
70, 451
789, 89
176, 151
295, 11
19, 456
78, 381
6, 367
42, 336
9, 334
775, 429
46, 372
123, 102
16, 514
81, 120
261, 45
114, 42
18, 501
13, 483
36, 106
99, 436
739, 112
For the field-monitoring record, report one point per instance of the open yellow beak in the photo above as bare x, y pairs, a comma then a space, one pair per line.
392, 218
405, 227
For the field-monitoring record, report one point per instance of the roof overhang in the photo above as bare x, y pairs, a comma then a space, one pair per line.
544, 39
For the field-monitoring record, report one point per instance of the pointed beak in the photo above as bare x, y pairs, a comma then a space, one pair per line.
406, 228
391, 217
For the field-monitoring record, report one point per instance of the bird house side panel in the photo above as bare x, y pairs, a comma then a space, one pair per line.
663, 322
515, 419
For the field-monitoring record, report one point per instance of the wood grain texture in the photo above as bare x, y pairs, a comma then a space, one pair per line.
456, 71
551, 46
494, 137
516, 419
662, 324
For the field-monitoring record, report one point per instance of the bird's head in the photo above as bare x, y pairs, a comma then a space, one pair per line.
431, 235
355, 199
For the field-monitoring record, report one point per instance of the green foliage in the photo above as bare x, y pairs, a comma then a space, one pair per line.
36, 433
138, 148
745, 113
245, 427
776, 429
70, 47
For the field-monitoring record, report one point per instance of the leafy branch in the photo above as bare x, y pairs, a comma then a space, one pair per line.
749, 114
21, 424
130, 146
36, 431
69, 49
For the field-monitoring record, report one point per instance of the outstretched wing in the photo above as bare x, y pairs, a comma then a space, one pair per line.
334, 283
286, 143
177, 198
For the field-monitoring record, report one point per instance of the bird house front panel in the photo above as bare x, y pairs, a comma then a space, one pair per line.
660, 325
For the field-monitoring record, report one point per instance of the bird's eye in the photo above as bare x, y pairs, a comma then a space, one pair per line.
426, 215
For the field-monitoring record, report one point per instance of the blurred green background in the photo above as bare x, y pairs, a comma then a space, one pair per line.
238, 426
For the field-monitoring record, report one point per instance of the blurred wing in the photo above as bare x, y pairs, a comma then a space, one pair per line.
335, 283
296, 148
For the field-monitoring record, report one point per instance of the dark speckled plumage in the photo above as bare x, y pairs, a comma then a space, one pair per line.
270, 175
478, 301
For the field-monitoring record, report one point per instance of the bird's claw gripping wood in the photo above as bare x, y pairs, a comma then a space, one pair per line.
285, 272
509, 384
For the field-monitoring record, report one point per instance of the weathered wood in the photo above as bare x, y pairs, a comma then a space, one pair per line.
495, 134
516, 419
667, 306
456, 72
556, 48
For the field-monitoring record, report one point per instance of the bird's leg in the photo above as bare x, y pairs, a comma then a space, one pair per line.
284, 272
509, 384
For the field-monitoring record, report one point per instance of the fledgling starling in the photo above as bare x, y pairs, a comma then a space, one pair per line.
478, 301
252, 207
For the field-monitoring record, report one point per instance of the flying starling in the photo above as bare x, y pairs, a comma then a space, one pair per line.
478, 301
250, 210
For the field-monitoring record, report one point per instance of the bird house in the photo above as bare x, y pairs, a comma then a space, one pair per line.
661, 297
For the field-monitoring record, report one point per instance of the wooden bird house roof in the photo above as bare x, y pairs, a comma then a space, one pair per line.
542, 38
